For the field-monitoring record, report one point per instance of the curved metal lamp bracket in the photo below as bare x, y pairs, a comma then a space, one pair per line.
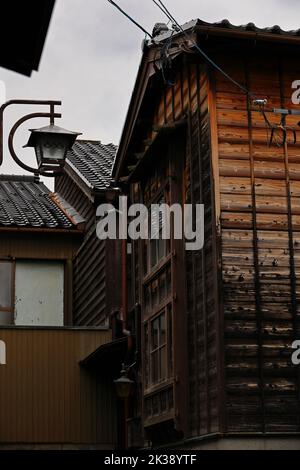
52, 115
11, 138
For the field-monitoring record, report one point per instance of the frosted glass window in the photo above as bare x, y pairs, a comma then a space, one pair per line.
5, 285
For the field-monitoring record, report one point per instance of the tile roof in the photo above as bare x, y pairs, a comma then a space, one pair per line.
28, 203
225, 24
92, 161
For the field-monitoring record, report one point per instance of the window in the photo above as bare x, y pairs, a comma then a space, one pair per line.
39, 290
6, 293
157, 286
156, 190
31, 292
158, 348
158, 247
155, 247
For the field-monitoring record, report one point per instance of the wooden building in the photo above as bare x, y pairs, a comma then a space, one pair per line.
85, 184
48, 398
217, 324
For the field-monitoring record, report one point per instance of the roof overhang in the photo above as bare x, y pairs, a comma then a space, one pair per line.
107, 357
193, 31
23, 33
83, 184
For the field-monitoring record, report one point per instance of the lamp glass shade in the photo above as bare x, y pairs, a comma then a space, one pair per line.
124, 386
51, 149
51, 144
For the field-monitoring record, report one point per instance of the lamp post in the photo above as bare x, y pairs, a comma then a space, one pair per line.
124, 385
124, 388
51, 142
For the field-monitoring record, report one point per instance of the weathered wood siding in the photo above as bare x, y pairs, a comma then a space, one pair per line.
92, 271
243, 287
189, 97
47, 398
203, 310
258, 193
75, 196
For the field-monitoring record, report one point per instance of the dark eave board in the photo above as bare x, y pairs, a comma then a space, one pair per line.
23, 33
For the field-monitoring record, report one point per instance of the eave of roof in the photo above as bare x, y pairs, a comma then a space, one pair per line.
225, 28
107, 356
89, 164
222, 29
30, 22
26, 204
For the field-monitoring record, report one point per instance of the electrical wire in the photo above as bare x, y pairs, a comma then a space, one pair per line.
129, 17
169, 17
165, 10
178, 27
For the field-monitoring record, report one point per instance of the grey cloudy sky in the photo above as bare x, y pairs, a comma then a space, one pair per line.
92, 53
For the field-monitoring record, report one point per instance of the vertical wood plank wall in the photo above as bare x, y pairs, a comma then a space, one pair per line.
201, 268
189, 98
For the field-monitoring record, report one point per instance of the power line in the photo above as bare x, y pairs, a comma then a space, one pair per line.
164, 9
130, 18
161, 9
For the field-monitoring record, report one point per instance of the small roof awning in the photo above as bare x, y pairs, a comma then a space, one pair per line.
23, 33
107, 357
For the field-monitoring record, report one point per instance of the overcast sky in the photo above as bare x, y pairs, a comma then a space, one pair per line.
92, 52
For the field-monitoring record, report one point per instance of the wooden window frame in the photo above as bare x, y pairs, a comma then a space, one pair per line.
10, 309
148, 269
165, 306
168, 379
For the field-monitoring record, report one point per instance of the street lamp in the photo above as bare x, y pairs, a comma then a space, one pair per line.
51, 142
124, 385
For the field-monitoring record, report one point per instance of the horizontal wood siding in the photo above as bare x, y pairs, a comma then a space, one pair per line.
91, 272
71, 192
89, 267
46, 397
259, 200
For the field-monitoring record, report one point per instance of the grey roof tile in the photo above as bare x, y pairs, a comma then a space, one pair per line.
27, 203
93, 162
225, 24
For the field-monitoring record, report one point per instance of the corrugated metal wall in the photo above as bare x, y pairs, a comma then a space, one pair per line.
46, 397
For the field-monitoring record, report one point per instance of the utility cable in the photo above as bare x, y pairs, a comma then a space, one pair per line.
164, 9
130, 18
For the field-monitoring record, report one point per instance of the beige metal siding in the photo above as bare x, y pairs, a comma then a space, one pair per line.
46, 397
